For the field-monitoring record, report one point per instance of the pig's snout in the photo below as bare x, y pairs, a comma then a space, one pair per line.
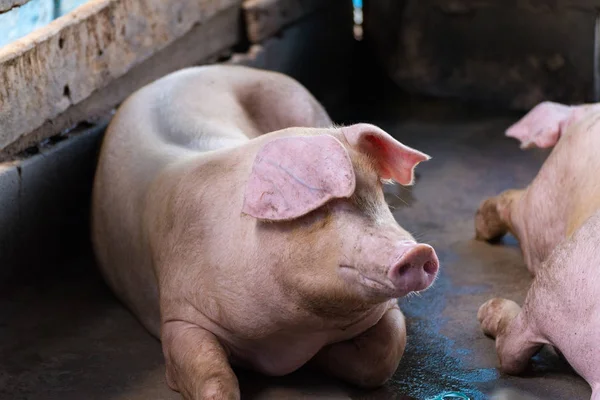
415, 269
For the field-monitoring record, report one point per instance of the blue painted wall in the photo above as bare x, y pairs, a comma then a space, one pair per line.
20, 21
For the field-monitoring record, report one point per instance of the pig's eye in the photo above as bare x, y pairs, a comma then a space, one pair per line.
358, 199
365, 200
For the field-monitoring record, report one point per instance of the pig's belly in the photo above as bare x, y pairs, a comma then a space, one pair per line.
279, 356
286, 352
580, 345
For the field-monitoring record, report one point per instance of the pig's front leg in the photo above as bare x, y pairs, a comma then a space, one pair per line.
371, 358
197, 364
494, 216
516, 341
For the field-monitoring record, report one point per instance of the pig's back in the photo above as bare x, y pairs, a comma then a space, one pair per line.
562, 209
582, 152
176, 118
207, 108
564, 194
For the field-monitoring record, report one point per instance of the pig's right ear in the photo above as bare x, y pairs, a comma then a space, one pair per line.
295, 175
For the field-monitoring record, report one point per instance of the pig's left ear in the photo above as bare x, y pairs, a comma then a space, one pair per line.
295, 175
394, 160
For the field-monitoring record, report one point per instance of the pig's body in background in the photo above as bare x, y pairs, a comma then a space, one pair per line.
265, 250
557, 222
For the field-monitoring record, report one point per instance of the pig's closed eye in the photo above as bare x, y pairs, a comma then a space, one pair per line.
365, 202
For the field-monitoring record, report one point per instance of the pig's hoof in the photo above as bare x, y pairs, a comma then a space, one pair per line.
495, 315
488, 224
217, 390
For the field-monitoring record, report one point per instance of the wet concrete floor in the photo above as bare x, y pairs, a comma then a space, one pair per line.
63, 335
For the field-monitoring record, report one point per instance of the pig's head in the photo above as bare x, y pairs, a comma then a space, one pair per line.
322, 220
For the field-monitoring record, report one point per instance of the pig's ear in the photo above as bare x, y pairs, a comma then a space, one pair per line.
394, 160
293, 176
543, 125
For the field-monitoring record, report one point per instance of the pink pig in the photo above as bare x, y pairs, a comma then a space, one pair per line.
557, 221
241, 228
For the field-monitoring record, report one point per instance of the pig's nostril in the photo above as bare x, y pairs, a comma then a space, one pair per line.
403, 269
430, 267
415, 270
420, 258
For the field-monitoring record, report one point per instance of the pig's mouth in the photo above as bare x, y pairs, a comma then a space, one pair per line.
380, 286
412, 279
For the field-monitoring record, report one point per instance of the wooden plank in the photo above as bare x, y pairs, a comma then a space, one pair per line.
266, 17
59, 66
7, 5
205, 43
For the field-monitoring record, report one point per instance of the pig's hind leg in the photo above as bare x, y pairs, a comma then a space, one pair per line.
197, 364
493, 218
516, 341
370, 359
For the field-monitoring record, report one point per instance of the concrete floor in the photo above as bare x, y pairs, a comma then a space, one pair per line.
64, 336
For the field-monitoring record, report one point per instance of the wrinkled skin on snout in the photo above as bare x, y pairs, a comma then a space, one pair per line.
557, 221
242, 229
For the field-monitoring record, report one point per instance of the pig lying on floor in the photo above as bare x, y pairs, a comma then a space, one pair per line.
557, 221
263, 250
